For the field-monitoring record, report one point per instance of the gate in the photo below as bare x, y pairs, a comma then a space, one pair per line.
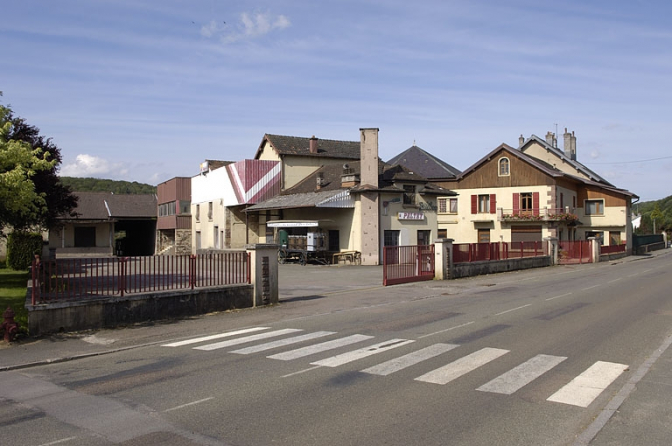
573, 252
404, 264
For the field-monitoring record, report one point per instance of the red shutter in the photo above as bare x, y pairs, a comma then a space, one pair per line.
493, 203
516, 204
535, 203
474, 204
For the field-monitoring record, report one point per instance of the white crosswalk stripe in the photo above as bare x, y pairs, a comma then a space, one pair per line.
246, 339
213, 337
583, 389
522, 375
354, 355
462, 366
318, 348
282, 342
416, 357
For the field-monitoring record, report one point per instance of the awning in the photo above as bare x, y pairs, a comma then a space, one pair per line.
292, 223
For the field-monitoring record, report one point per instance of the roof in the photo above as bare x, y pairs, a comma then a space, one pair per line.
296, 145
107, 206
425, 164
306, 194
544, 167
561, 155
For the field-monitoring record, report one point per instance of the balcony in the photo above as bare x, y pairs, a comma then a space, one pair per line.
533, 215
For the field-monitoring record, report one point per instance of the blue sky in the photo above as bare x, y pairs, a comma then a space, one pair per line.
146, 90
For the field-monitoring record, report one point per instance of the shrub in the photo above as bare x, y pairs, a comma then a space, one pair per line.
21, 249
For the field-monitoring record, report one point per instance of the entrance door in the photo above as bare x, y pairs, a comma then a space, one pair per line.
424, 237
483, 236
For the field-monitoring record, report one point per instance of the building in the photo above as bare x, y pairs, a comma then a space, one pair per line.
173, 224
361, 205
107, 224
425, 164
534, 192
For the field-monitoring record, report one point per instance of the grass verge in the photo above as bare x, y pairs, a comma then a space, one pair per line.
13, 287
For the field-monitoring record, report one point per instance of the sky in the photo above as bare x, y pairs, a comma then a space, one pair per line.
144, 90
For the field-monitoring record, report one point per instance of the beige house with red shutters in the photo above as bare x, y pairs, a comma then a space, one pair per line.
534, 192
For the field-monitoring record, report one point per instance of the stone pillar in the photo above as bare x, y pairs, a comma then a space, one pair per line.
264, 273
443, 259
553, 249
594, 249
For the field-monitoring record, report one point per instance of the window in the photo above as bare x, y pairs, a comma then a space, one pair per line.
391, 238
526, 201
443, 233
424, 237
483, 204
447, 205
483, 236
409, 194
594, 207
597, 235
198, 212
210, 211
614, 238
166, 209
504, 170
185, 205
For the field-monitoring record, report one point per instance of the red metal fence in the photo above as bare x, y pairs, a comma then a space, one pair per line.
612, 249
571, 252
478, 252
403, 264
87, 278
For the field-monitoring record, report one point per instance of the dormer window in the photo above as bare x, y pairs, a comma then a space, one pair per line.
409, 194
504, 167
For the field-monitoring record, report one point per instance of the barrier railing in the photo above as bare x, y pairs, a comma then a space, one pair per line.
612, 249
479, 252
89, 278
403, 264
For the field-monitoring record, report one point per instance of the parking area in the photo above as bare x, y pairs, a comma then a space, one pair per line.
298, 281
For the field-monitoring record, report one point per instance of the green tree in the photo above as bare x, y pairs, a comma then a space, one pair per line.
20, 204
656, 216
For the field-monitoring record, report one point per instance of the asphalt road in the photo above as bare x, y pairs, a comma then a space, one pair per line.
532, 357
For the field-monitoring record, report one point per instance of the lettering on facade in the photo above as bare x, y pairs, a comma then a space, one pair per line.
411, 216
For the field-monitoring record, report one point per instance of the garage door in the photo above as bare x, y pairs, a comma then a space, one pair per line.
526, 233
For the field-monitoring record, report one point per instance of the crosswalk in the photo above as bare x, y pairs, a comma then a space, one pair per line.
580, 391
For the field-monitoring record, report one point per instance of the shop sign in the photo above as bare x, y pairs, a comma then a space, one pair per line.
411, 216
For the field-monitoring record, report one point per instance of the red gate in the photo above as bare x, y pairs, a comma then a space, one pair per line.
572, 252
403, 264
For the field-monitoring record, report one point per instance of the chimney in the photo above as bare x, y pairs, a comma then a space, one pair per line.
349, 178
313, 144
320, 180
369, 156
551, 140
521, 140
570, 145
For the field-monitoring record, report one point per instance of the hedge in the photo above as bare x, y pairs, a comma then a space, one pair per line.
21, 249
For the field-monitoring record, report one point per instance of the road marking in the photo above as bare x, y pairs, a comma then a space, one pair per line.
318, 348
301, 371
447, 329
590, 287
558, 297
190, 404
245, 339
282, 342
522, 375
512, 309
354, 355
217, 336
394, 365
615, 280
58, 441
583, 389
462, 366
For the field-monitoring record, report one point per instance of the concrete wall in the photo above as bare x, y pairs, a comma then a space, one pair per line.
115, 311
498, 266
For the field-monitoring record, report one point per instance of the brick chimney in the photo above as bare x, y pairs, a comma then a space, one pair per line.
551, 140
320, 180
570, 145
521, 140
313, 144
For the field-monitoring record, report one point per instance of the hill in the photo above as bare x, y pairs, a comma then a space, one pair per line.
101, 185
647, 210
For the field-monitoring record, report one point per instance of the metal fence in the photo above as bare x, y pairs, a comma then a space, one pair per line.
88, 278
571, 252
480, 252
403, 264
612, 249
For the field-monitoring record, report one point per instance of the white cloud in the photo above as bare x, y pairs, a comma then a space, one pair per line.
87, 165
251, 26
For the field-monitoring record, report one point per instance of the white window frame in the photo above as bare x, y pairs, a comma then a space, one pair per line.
500, 163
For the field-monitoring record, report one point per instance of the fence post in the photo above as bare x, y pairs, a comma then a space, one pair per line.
192, 271
122, 275
443, 258
594, 249
552, 249
264, 273
34, 273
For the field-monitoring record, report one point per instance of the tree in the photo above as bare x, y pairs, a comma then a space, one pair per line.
30, 193
656, 215
51, 198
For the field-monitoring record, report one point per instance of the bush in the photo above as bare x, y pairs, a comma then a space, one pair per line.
21, 249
